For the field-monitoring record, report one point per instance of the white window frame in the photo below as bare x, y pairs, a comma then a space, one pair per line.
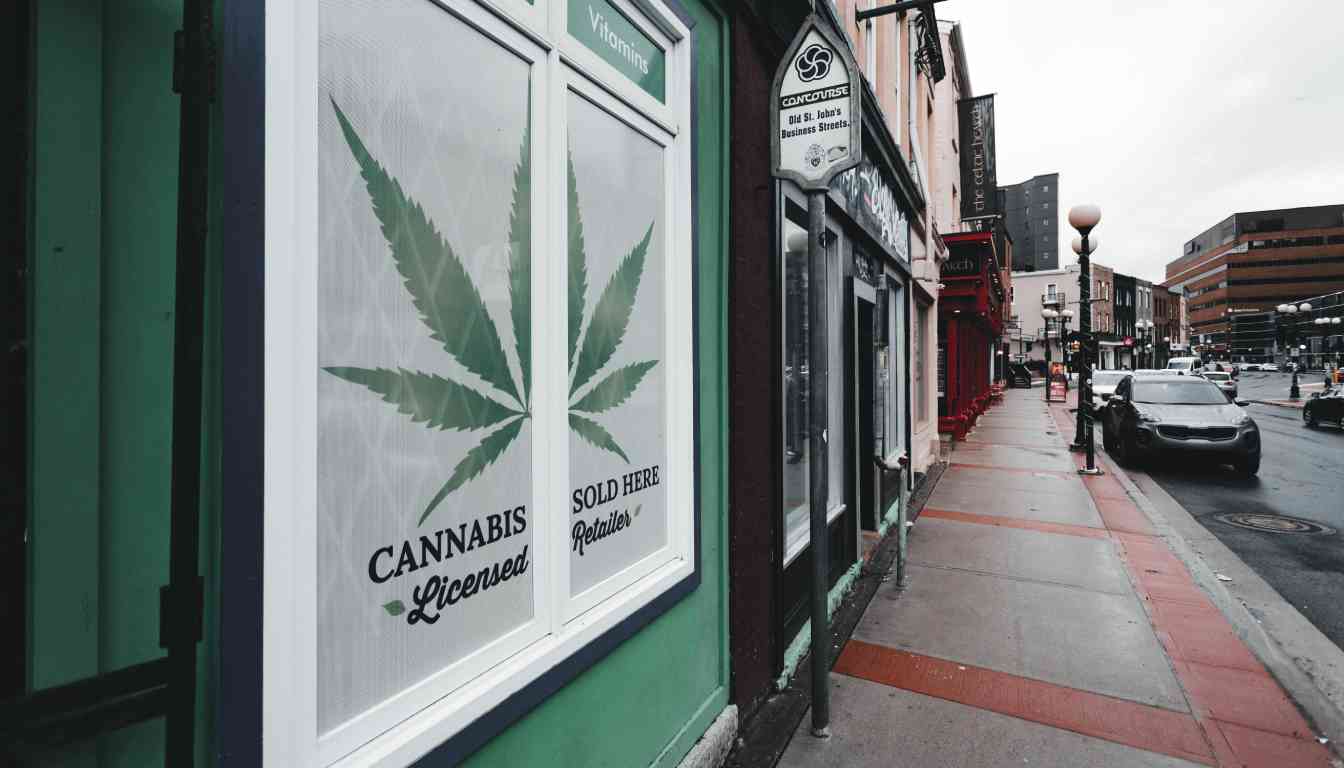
423, 716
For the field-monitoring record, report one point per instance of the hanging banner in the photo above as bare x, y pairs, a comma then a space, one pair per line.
979, 177
815, 109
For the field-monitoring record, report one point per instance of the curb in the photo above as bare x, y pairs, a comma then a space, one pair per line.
1308, 666
1290, 404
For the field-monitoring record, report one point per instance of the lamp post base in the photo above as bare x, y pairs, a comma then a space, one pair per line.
1093, 471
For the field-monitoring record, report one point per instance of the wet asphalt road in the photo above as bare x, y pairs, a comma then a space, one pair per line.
1302, 475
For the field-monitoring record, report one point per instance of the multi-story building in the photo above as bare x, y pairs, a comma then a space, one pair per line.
1254, 261
1052, 289
1166, 307
1102, 305
1031, 212
1126, 320
1145, 341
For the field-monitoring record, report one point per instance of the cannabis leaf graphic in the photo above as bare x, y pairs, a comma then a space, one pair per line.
452, 310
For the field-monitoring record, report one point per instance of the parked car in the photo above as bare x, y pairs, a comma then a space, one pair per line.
1250, 366
1224, 381
1325, 406
1183, 365
1179, 415
1103, 385
1271, 367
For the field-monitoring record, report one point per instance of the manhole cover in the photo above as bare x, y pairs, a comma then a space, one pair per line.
1273, 523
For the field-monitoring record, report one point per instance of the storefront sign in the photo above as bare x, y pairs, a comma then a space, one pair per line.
815, 110
963, 264
872, 203
979, 175
608, 33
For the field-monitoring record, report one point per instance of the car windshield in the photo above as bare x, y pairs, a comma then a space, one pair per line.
1107, 378
1178, 364
1191, 392
1217, 376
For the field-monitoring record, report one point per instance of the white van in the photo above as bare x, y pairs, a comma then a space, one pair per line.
1184, 365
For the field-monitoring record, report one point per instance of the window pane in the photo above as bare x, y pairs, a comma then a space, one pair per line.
424, 493
617, 438
797, 419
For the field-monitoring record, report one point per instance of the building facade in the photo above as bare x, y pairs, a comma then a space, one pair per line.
1103, 315
879, 244
362, 427
1052, 289
1126, 320
1252, 262
1167, 324
970, 328
1145, 331
1031, 213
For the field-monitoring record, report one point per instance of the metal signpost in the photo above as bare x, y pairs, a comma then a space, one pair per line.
816, 133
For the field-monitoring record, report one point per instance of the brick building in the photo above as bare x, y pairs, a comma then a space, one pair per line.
1253, 261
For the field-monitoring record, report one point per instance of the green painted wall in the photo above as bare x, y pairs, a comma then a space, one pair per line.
654, 696
103, 251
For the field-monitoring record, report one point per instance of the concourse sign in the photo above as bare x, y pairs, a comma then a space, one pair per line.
815, 109
816, 126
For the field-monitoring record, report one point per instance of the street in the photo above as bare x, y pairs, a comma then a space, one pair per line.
1301, 475
1258, 385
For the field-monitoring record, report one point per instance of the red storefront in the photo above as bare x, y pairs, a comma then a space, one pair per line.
970, 323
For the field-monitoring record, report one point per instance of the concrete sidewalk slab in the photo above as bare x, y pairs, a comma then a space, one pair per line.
1021, 554
1068, 504
875, 725
1011, 480
1019, 457
1053, 632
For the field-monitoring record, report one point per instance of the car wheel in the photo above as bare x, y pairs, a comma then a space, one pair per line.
1248, 466
1308, 418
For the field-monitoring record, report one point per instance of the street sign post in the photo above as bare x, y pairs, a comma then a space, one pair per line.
817, 132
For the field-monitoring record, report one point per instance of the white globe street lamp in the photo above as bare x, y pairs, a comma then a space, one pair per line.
1093, 243
1084, 218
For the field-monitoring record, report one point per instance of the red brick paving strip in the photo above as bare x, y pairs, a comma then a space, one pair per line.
1017, 522
1090, 714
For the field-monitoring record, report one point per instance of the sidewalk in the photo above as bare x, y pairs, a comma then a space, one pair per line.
1044, 623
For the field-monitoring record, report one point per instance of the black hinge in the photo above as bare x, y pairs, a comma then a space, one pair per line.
180, 64
181, 613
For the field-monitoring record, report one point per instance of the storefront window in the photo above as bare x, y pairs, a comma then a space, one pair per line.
480, 365
917, 343
797, 368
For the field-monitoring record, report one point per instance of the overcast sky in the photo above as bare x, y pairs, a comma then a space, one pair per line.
1171, 115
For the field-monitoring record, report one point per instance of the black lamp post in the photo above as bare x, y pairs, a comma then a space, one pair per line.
1084, 218
1048, 315
1291, 311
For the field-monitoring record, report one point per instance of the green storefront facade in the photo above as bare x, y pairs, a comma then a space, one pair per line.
366, 400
